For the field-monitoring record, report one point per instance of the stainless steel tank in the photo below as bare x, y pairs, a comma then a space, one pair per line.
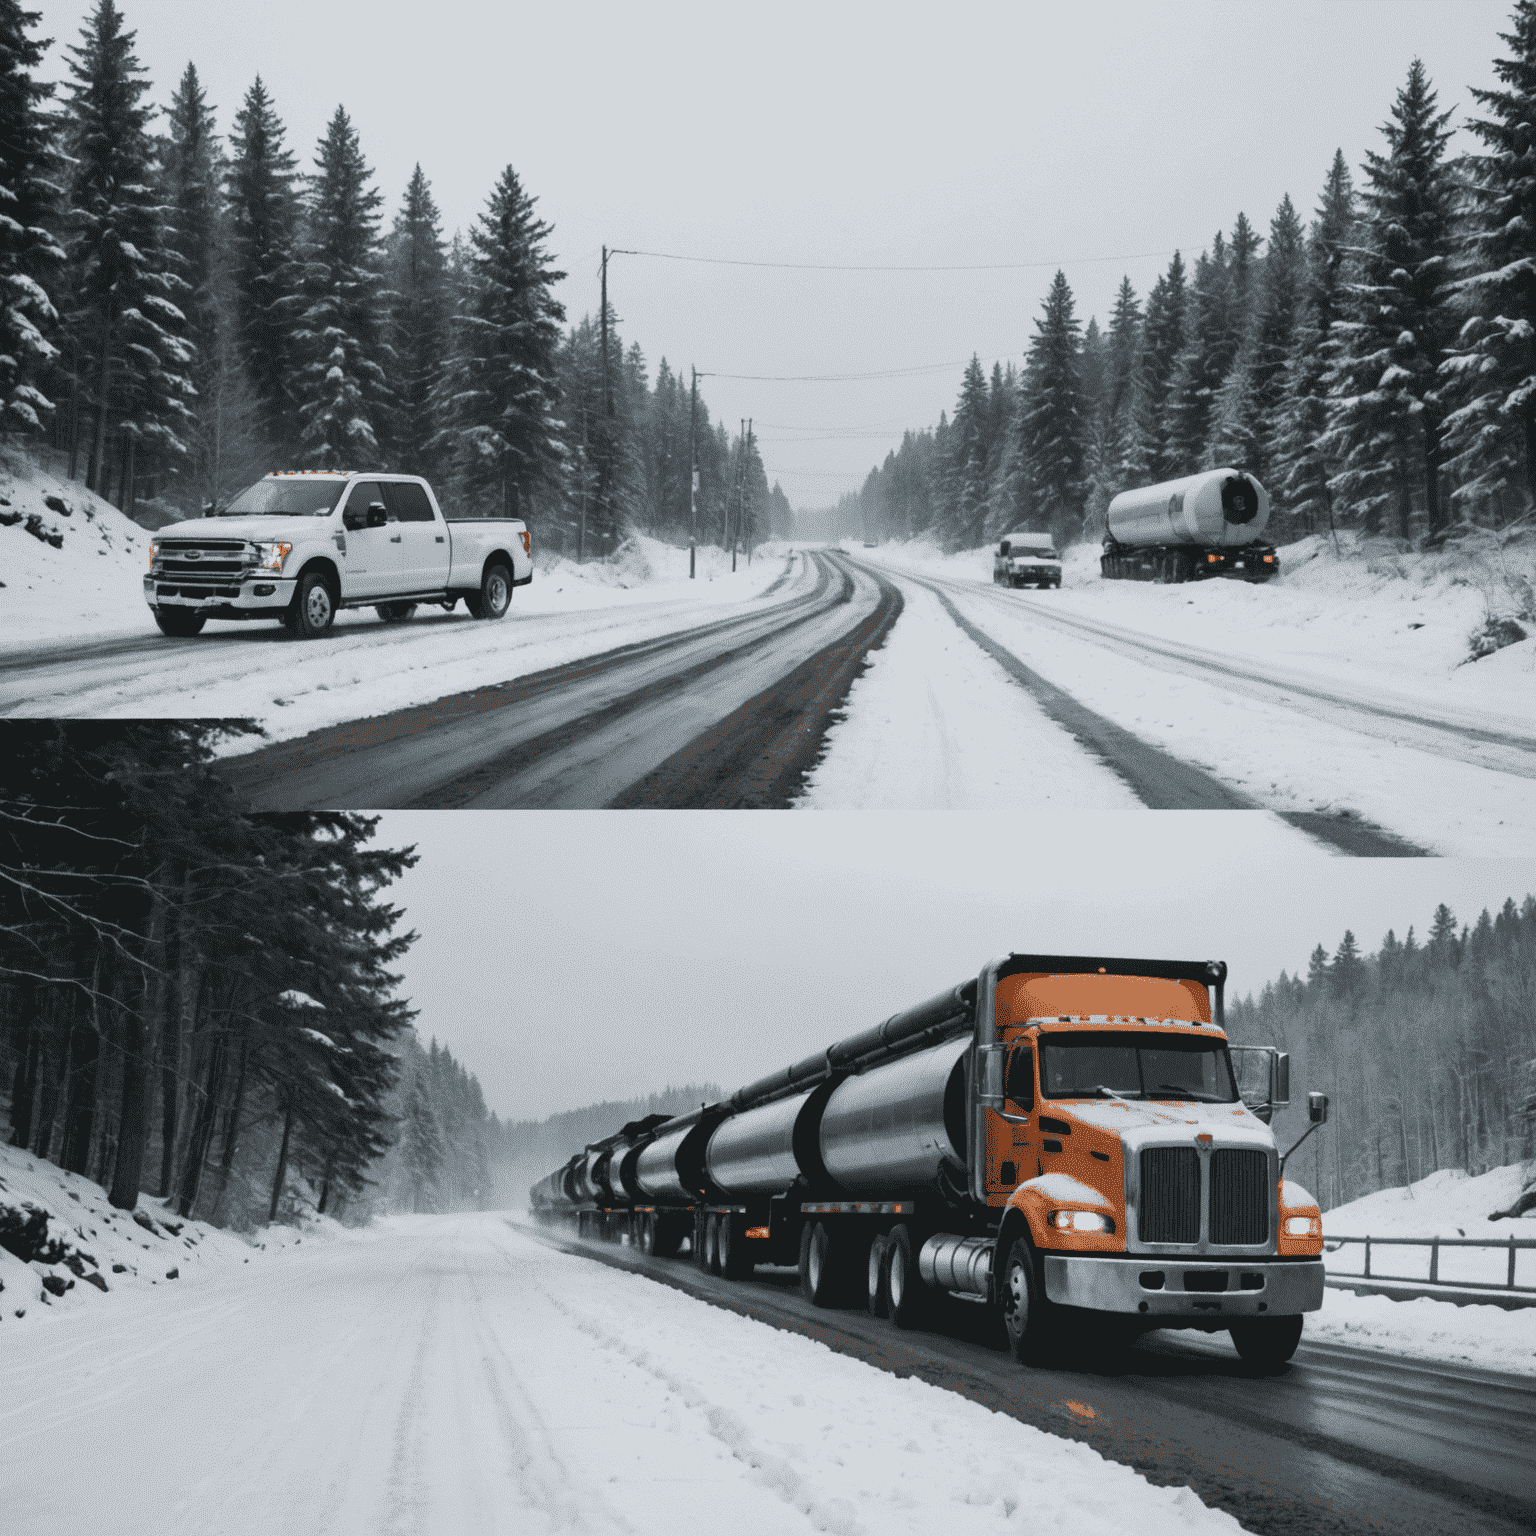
887, 1131
1218, 509
656, 1169
753, 1153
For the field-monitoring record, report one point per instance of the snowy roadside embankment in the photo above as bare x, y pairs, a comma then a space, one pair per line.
1447, 1204
70, 563
63, 1248
1397, 623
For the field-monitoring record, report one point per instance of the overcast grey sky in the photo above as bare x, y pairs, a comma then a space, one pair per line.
858, 133
567, 957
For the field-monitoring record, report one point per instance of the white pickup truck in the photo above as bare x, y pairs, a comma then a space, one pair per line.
299, 546
1026, 559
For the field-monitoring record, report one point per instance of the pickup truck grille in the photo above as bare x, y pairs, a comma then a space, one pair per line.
1239, 1197
1169, 1210
209, 558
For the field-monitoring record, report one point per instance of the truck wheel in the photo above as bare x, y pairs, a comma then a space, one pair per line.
495, 594
1267, 1342
822, 1271
876, 1295
180, 623
1026, 1313
735, 1252
906, 1296
712, 1244
314, 607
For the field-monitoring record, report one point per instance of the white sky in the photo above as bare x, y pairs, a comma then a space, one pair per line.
856, 133
569, 956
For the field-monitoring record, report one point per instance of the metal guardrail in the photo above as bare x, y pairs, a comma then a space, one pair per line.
1434, 1244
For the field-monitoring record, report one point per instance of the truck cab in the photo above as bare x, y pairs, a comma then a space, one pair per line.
299, 546
1025, 560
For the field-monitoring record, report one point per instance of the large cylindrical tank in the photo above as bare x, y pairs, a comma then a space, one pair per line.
606, 1175
888, 1130
753, 1153
1219, 509
671, 1168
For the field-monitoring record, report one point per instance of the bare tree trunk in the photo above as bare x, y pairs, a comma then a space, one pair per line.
282, 1164
232, 1129
177, 966
99, 454
24, 1084
138, 1045
202, 1131
84, 1052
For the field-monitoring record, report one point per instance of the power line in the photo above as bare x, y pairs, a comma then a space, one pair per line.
827, 266
838, 378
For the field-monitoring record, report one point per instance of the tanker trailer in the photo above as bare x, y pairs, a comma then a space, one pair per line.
1210, 524
908, 1163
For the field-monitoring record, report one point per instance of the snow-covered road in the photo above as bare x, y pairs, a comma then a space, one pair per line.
452, 1375
1438, 770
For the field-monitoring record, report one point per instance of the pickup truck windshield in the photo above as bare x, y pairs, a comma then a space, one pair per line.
1106, 1064
307, 496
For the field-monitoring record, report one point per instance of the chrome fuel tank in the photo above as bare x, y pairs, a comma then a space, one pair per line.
1219, 509
753, 1153
886, 1131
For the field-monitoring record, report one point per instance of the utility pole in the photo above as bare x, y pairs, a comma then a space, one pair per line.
581, 527
607, 393
745, 466
741, 481
693, 471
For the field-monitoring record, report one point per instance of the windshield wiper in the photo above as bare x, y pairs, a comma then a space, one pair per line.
1193, 1093
1115, 1093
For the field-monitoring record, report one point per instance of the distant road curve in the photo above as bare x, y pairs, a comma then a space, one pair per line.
1344, 1441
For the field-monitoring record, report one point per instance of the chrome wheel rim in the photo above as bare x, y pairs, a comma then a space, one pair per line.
815, 1265
874, 1272
497, 593
317, 606
898, 1280
1017, 1309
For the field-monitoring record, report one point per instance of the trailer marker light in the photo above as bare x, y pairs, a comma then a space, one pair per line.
757, 1232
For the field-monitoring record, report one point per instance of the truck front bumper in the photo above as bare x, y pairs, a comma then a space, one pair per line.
232, 597
1194, 1290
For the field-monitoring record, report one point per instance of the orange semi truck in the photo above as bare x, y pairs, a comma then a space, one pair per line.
1063, 1138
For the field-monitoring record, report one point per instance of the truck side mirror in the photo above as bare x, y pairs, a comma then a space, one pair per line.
1021, 1077
1280, 1079
1317, 1108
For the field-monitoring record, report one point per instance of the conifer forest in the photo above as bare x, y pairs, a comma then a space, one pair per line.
191, 303
1373, 362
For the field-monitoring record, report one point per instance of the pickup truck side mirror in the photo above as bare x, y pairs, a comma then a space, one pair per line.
377, 516
1317, 1107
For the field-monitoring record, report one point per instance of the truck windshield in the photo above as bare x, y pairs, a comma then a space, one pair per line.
1109, 1064
289, 496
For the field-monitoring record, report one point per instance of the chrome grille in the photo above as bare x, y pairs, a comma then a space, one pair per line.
1239, 1197
214, 557
1169, 1207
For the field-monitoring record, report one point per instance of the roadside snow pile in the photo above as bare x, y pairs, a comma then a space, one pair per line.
69, 561
61, 1243
1481, 1335
649, 568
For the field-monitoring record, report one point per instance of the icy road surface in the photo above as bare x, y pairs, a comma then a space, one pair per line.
450, 1375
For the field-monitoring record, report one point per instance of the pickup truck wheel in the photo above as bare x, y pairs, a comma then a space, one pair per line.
314, 606
495, 594
179, 622
1267, 1342
1027, 1318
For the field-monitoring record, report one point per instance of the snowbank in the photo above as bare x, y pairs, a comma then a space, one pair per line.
70, 563
76, 1249
1425, 1329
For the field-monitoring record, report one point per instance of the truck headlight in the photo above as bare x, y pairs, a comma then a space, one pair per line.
270, 557
1301, 1226
1080, 1221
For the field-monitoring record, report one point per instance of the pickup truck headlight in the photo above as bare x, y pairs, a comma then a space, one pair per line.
1302, 1226
270, 557
1080, 1221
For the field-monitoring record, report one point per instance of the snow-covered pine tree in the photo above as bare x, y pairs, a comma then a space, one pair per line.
1151, 456
1492, 366
418, 278
1251, 419
500, 389
968, 468
1387, 392
343, 355
422, 1146
263, 219
1302, 470
1052, 429
31, 257
126, 321
1210, 346
191, 171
